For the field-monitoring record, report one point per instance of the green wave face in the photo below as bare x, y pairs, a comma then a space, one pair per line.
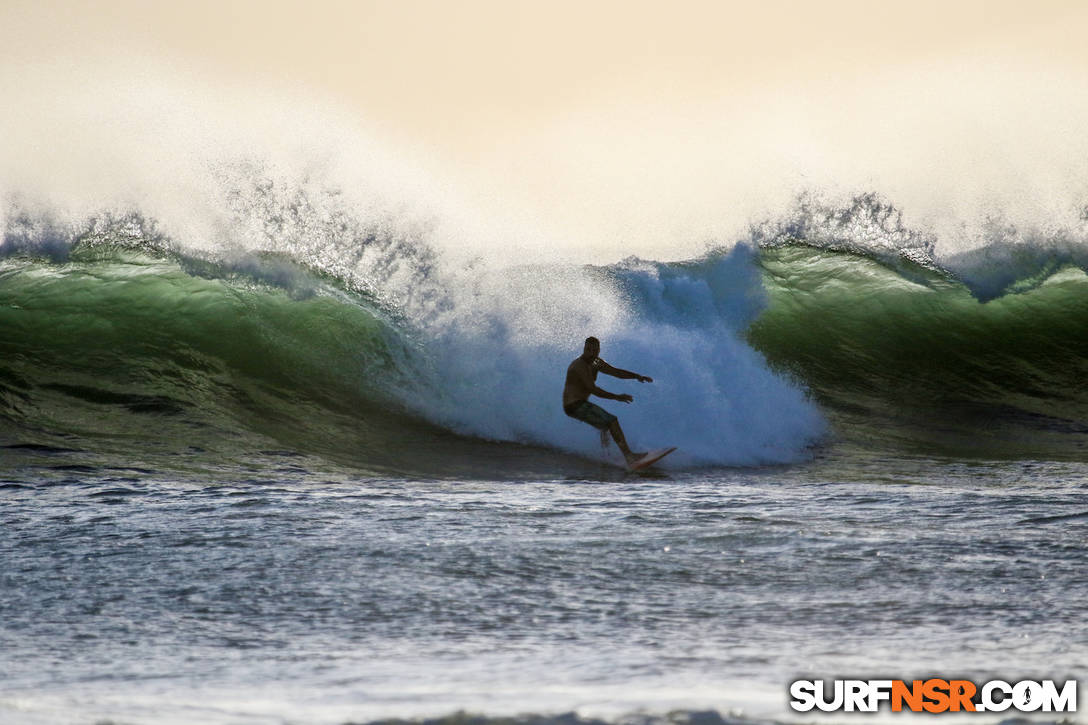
134, 348
149, 358
907, 357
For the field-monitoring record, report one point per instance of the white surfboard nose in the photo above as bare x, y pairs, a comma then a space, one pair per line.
650, 458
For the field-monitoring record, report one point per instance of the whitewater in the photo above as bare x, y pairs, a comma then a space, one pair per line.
281, 441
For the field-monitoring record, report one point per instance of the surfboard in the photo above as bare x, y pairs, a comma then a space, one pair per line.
650, 458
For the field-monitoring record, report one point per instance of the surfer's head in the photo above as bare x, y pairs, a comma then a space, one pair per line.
592, 348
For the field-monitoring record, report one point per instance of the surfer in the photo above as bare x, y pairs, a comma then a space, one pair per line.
582, 382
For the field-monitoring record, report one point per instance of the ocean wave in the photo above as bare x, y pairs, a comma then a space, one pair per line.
350, 336
101, 319
919, 359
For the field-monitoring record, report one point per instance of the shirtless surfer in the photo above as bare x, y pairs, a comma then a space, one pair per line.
582, 382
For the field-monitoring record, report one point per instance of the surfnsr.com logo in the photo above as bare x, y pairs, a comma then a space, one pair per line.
933, 695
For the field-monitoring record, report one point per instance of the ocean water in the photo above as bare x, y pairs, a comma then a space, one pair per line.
317, 473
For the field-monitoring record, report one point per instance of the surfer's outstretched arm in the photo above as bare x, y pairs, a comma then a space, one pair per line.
621, 373
622, 397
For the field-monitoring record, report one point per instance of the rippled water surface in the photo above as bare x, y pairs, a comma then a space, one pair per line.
311, 595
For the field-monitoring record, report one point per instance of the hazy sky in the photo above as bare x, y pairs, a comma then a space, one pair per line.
455, 73
555, 101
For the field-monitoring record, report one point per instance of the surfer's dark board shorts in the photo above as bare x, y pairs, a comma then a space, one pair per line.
587, 412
